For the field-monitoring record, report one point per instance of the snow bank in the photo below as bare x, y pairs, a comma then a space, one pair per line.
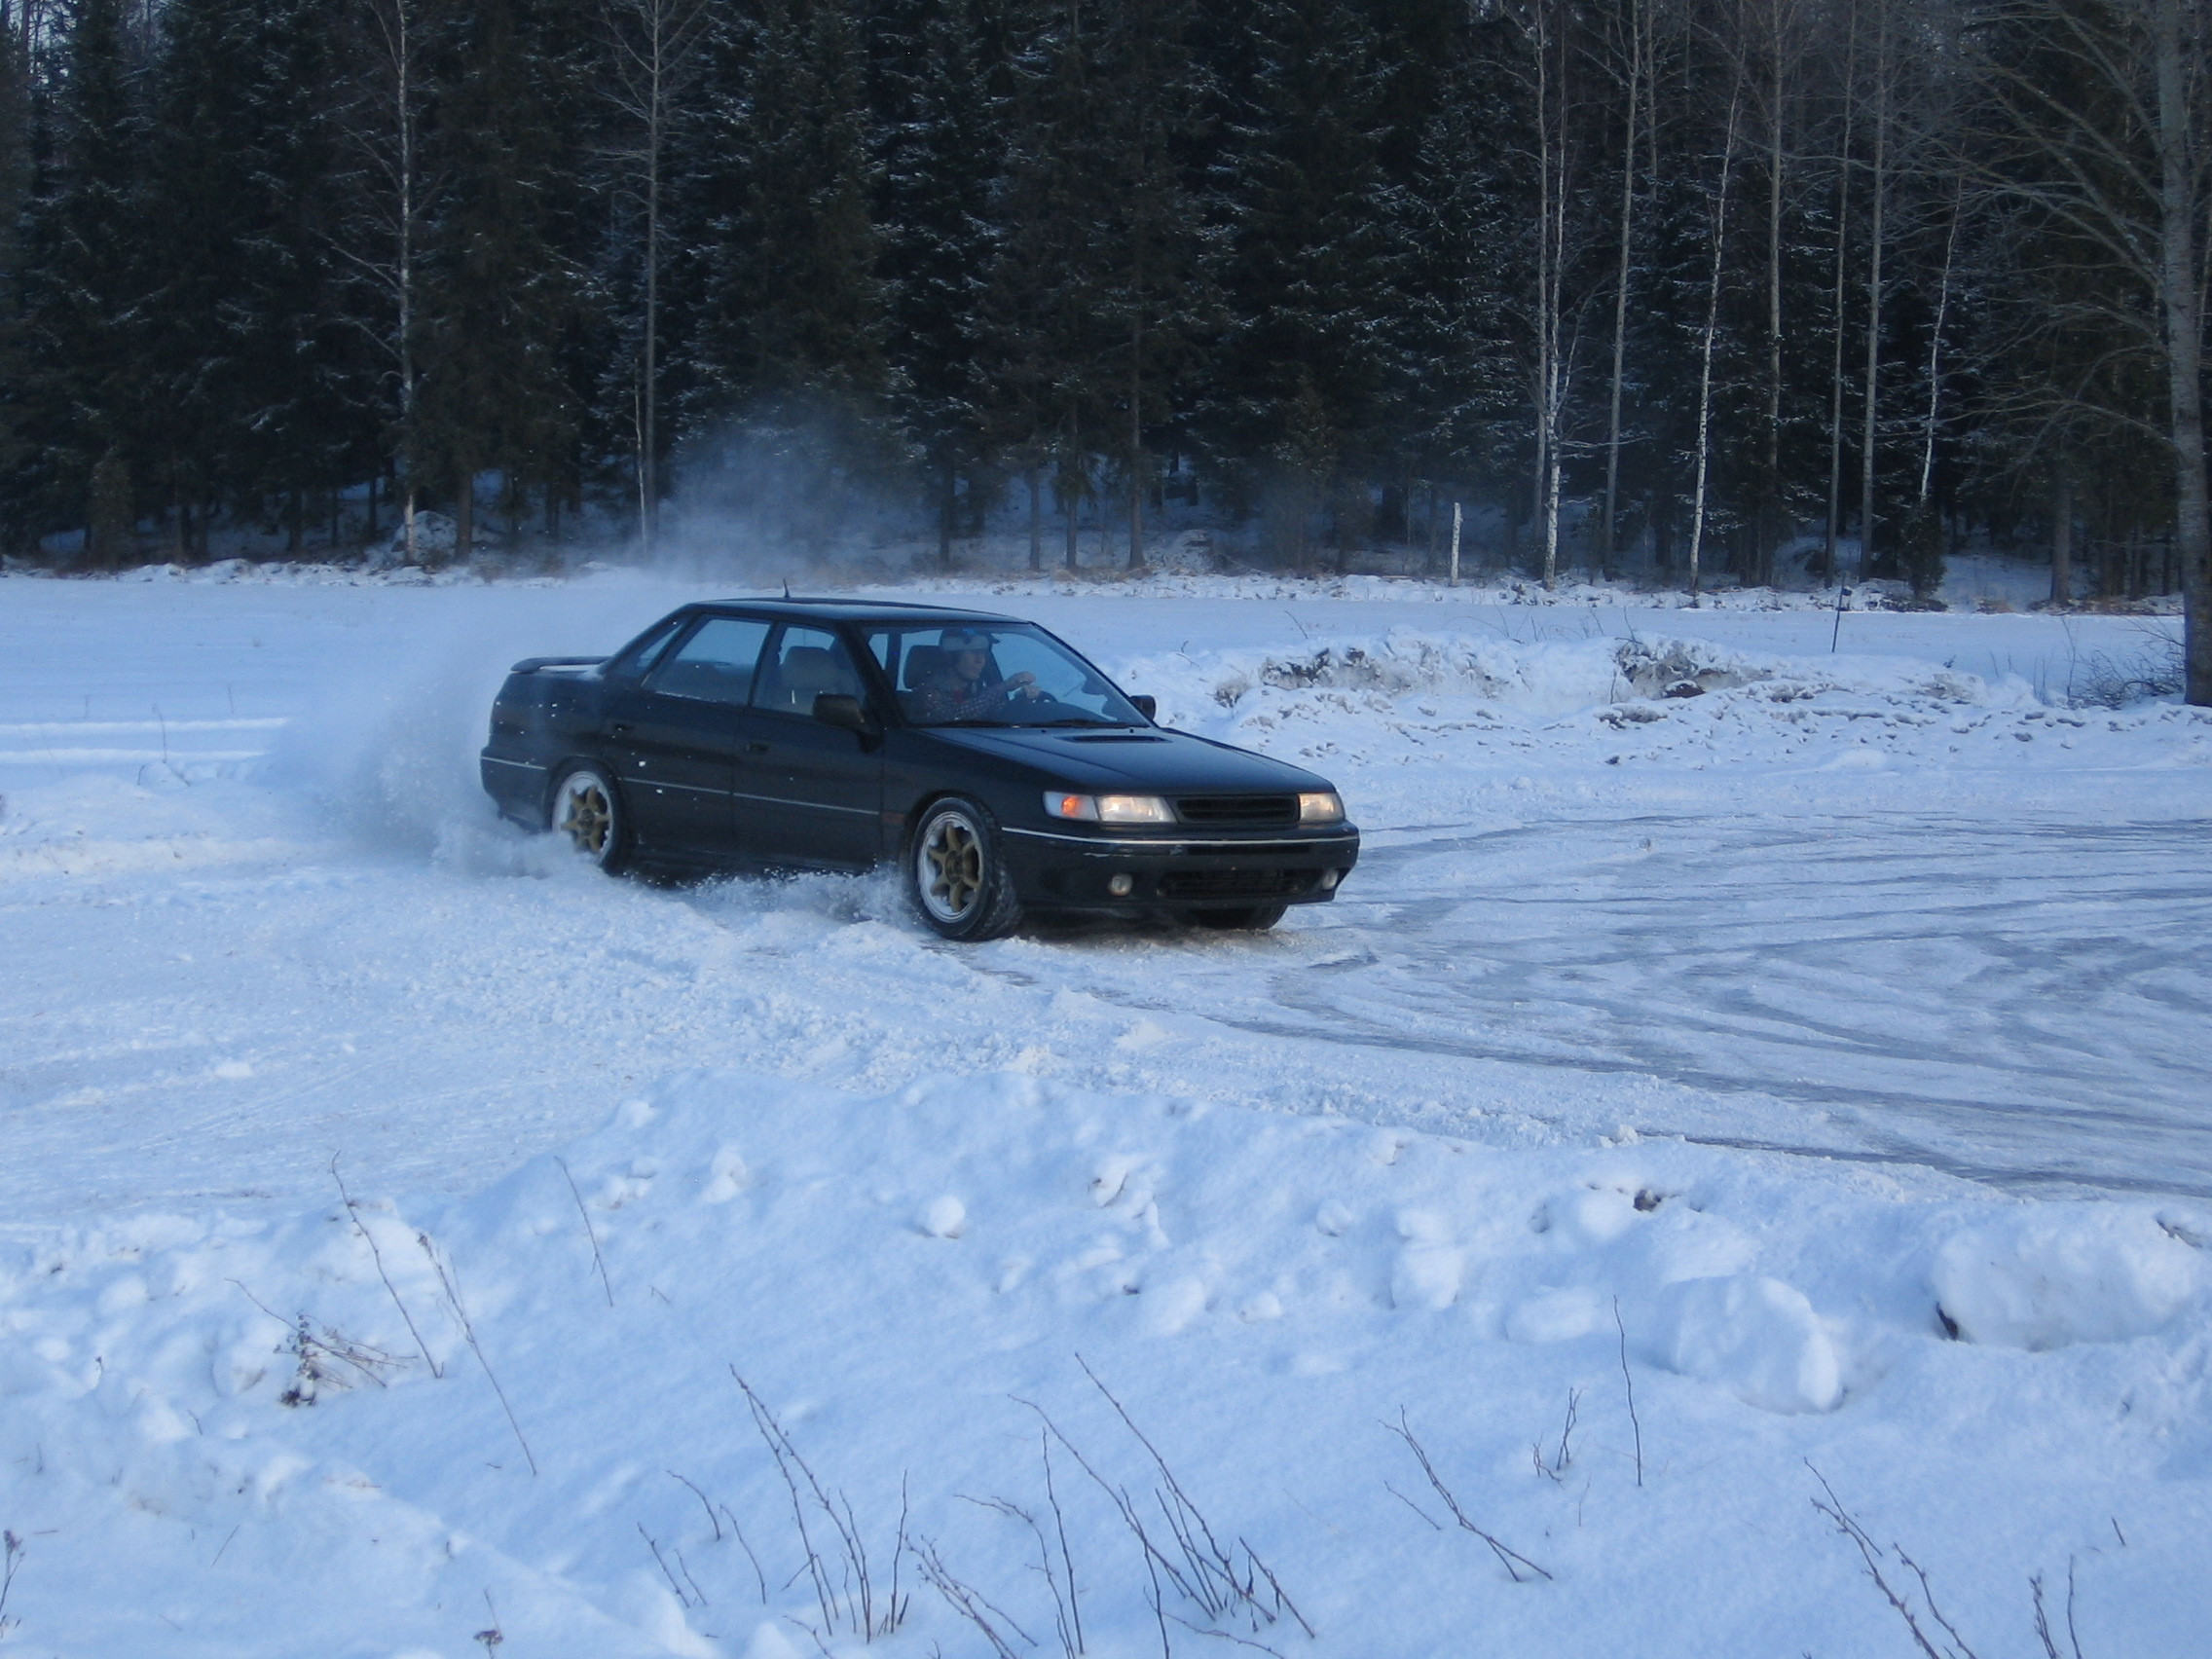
2067, 1274
416, 1422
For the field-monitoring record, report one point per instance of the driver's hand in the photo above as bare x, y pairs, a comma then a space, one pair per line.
1025, 683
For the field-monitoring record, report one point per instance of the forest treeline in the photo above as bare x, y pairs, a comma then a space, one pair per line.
1677, 281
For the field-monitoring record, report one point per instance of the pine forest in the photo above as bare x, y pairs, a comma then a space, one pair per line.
1692, 287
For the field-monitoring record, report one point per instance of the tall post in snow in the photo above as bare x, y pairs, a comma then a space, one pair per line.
1455, 543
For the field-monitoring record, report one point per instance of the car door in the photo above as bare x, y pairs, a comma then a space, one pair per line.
678, 733
811, 792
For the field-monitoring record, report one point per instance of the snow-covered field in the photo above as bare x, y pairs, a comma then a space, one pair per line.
1821, 1056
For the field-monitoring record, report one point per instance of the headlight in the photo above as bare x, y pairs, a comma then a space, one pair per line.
1324, 808
1109, 809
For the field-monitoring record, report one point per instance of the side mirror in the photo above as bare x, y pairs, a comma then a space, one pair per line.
1149, 707
836, 708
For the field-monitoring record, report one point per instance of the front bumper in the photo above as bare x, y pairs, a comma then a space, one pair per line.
1054, 869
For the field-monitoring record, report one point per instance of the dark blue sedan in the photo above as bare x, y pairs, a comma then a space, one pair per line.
1005, 774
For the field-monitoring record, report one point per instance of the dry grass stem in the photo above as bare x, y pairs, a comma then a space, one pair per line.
590, 1232
468, 1330
1511, 1559
851, 1603
1628, 1383
353, 1214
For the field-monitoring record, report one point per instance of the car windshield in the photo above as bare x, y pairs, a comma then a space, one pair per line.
1007, 674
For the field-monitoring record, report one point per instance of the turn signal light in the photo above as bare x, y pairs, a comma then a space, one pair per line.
1110, 809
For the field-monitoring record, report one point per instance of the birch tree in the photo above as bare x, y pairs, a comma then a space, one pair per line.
2099, 116
653, 46
1704, 447
385, 129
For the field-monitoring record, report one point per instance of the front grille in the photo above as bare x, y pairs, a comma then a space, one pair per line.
1236, 883
1238, 809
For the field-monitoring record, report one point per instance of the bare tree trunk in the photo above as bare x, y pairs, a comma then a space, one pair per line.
1770, 476
1875, 286
2181, 284
1551, 250
464, 511
1036, 522
410, 437
1136, 441
949, 487
648, 437
2062, 538
1609, 528
1071, 503
1936, 351
1842, 242
653, 43
1711, 330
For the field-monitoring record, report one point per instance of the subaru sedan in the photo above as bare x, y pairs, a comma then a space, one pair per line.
1003, 773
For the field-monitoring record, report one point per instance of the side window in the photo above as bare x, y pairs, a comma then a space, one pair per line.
803, 664
634, 662
715, 663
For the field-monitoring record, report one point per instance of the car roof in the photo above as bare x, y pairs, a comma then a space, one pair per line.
794, 606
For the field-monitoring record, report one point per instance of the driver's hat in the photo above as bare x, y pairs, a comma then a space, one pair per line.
964, 640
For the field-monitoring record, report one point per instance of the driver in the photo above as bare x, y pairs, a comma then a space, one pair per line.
961, 691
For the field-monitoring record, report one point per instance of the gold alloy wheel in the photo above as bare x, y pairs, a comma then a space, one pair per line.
952, 866
588, 816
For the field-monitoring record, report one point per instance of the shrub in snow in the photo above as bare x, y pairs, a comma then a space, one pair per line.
1675, 668
2048, 1278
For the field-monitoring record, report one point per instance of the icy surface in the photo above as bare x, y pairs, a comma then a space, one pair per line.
1821, 1032
1867, 904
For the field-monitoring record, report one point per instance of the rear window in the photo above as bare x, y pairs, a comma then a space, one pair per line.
716, 664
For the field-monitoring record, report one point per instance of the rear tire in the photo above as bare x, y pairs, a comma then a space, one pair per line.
1245, 918
956, 876
588, 812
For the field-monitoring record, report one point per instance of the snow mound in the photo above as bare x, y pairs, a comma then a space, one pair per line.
2048, 1277
1755, 1335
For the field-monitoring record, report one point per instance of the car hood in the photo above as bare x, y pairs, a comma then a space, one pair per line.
1151, 760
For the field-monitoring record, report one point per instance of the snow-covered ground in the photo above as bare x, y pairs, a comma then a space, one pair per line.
1739, 1048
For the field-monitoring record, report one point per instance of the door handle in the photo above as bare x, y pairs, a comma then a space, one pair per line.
755, 747
621, 728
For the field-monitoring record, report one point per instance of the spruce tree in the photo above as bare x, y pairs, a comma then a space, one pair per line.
253, 374
1306, 269
1048, 342
939, 149
783, 324
1156, 304
502, 285
75, 387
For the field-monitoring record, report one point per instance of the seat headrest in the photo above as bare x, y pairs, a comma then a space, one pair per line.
924, 663
812, 669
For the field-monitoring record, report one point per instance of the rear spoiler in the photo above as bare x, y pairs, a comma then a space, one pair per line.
530, 665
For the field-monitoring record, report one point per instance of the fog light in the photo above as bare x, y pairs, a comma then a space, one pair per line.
1329, 878
1121, 886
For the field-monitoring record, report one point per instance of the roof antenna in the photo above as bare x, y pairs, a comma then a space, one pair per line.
787, 587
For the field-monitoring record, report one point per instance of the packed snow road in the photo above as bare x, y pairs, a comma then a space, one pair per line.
1867, 907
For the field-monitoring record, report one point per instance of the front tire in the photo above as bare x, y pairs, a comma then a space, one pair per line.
588, 812
955, 875
1244, 918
